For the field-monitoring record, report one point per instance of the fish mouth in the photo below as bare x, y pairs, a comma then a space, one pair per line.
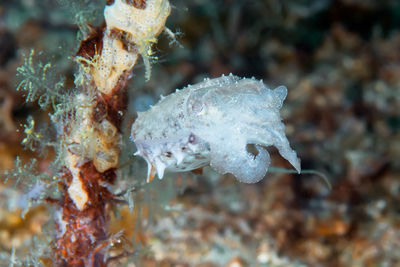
180, 162
151, 172
154, 165
188, 154
151, 167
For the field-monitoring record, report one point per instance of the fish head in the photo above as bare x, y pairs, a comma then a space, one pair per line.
163, 139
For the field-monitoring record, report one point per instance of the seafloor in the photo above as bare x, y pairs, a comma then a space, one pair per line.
340, 61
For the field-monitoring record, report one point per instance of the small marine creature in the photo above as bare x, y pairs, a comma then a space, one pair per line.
224, 122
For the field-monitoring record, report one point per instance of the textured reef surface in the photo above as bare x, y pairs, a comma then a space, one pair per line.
340, 61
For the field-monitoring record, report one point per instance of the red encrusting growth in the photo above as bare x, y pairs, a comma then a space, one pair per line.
110, 2
140, 4
85, 236
93, 44
87, 229
112, 106
94, 130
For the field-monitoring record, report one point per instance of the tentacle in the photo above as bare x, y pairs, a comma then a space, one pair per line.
236, 160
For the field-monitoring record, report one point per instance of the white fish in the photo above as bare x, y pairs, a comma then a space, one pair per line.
212, 123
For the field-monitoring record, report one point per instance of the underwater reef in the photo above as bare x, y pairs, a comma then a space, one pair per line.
336, 64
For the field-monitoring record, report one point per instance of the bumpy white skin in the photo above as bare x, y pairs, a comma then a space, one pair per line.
212, 122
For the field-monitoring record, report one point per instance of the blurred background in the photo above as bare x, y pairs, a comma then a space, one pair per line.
340, 60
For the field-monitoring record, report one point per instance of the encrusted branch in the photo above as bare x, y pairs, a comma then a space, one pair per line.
92, 133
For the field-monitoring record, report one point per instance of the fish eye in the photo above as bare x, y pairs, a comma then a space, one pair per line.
197, 107
192, 138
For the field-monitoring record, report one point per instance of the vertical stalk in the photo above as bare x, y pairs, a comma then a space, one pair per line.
92, 131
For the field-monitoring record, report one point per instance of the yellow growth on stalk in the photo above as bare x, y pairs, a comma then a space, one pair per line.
129, 32
87, 121
141, 25
92, 131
